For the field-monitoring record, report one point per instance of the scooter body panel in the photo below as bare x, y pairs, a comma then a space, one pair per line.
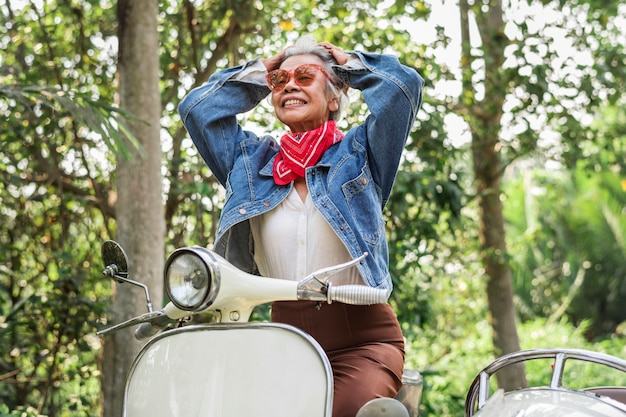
544, 401
225, 370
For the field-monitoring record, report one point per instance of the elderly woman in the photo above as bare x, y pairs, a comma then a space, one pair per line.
315, 197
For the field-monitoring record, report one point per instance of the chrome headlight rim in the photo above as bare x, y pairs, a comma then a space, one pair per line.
209, 263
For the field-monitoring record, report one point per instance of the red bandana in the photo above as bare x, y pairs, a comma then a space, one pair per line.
301, 150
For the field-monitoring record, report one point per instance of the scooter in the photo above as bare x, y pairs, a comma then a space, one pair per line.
555, 399
232, 367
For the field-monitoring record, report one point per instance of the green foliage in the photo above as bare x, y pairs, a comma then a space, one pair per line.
103, 120
452, 345
55, 204
423, 216
50, 301
19, 412
568, 228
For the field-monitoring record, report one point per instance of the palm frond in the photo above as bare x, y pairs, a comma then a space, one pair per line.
100, 117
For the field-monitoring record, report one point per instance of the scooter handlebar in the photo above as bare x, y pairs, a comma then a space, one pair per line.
348, 294
357, 294
167, 315
147, 330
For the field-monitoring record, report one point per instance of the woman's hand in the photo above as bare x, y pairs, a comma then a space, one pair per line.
274, 62
340, 56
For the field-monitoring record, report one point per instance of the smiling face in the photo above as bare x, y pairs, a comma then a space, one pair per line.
303, 108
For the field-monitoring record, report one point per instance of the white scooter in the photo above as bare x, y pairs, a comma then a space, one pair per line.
233, 367
552, 400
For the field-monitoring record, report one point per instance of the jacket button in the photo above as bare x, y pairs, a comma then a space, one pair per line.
266, 203
341, 227
363, 181
242, 211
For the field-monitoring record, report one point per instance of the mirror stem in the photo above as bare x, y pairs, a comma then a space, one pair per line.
139, 284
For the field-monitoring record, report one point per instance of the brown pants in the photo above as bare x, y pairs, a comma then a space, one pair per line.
364, 345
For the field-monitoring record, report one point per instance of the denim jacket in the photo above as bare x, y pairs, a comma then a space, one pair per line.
349, 185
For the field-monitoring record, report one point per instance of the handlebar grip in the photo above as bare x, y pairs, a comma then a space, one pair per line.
357, 294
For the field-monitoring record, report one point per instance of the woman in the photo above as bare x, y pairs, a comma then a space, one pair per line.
315, 198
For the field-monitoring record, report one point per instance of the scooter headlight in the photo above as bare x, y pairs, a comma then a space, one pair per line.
191, 278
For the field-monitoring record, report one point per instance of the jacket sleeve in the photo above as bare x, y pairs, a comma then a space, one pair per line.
393, 93
209, 113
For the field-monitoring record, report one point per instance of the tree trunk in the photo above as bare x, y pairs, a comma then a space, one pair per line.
484, 117
486, 160
139, 209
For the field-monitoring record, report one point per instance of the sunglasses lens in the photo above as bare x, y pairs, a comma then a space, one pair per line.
305, 74
277, 79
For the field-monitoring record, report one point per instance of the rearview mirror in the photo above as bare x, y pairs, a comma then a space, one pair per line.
115, 260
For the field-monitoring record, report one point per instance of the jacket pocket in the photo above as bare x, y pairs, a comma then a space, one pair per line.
364, 202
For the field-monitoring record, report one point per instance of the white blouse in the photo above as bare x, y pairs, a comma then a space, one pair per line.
294, 240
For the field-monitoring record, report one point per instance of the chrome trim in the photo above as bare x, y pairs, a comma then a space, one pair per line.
212, 266
479, 389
